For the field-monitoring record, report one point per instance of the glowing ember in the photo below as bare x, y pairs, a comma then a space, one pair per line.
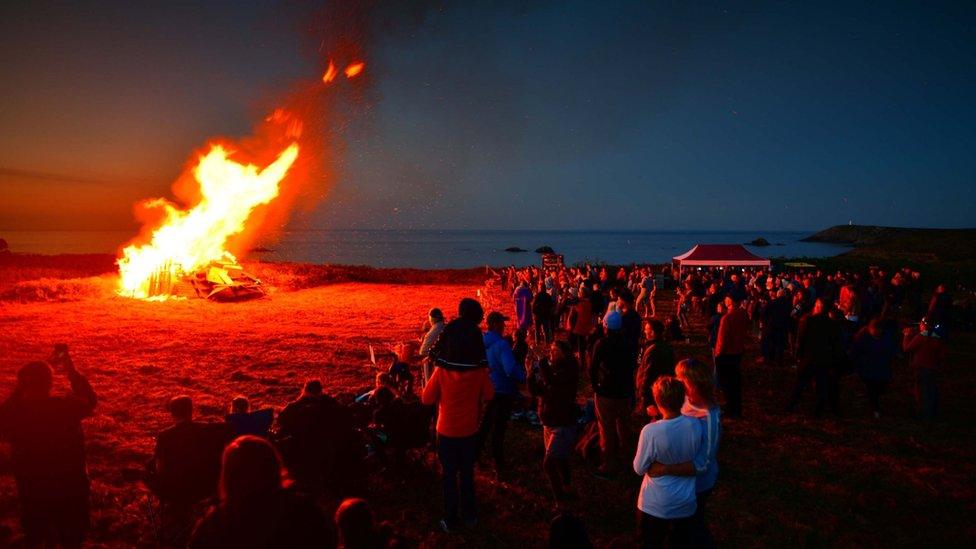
354, 69
189, 240
330, 73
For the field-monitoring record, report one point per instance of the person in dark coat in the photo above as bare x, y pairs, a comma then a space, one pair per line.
185, 468
657, 359
254, 509
612, 378
318, 439
819, 353
555, 382
543, 313
873, 349
48, 452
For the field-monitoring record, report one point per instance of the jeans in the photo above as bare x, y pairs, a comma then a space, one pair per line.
728, 368
457, 455
654, 531
928, 392
613, 419
494, 424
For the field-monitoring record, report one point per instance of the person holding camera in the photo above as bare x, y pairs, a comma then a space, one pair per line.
48, 451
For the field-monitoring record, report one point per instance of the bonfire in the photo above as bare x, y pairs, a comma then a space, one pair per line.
186, 253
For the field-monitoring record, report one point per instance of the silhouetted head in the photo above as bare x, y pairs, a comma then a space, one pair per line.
239, 405
354, 521
435, 315
251, 472
496, 322
470, 310
559, 350
313, 387
698, 380
181, 408
34, 379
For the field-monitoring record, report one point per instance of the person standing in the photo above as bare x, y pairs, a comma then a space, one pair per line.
48, 451
819, 350
459, 387
730, 344
523, 306
927, 356
543, 309
581, 324
873, 349
555, 382
667, 504
656, 360
506, 376
612, 378
436, 319
699, 403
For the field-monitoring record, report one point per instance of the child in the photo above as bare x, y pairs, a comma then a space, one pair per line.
667, 503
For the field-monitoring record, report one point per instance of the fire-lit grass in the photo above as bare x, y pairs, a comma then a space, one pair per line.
786, 479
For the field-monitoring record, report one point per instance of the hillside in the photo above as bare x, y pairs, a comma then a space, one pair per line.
899, 243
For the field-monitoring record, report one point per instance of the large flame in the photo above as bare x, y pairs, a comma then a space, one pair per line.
191, 239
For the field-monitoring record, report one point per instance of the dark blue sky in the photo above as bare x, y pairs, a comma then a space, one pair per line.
588, 115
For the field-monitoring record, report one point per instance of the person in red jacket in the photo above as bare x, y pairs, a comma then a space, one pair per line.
459, 387
927, 355
733, 332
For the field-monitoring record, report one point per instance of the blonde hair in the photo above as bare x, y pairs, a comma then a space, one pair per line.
669, 393
698, 380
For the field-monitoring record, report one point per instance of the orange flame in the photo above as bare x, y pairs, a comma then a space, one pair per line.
354, 69
190, 239
330, 73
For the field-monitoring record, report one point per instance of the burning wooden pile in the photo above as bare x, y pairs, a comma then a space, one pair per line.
218, 281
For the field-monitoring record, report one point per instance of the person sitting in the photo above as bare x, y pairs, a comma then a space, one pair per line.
185, 467
383, 379
245, 422
667, 504
317, 436
400, 369
255, 510
48, 452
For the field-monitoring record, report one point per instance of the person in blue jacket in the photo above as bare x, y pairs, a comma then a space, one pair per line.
507, 376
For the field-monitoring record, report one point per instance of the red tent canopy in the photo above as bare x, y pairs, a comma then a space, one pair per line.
724, 255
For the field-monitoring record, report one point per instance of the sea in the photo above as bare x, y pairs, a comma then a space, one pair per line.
431, 249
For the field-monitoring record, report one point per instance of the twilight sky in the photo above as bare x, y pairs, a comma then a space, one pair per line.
565, 115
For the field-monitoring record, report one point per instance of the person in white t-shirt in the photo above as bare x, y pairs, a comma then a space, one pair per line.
667, 503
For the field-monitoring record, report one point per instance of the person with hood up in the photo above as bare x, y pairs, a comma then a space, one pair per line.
459, 387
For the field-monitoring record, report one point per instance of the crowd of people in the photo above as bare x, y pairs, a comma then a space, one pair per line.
650, 407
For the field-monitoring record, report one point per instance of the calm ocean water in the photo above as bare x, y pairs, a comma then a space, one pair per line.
453, 248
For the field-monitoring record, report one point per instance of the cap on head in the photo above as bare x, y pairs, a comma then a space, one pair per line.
613, 321
496, 317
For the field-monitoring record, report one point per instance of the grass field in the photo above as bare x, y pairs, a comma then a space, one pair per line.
784, 480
